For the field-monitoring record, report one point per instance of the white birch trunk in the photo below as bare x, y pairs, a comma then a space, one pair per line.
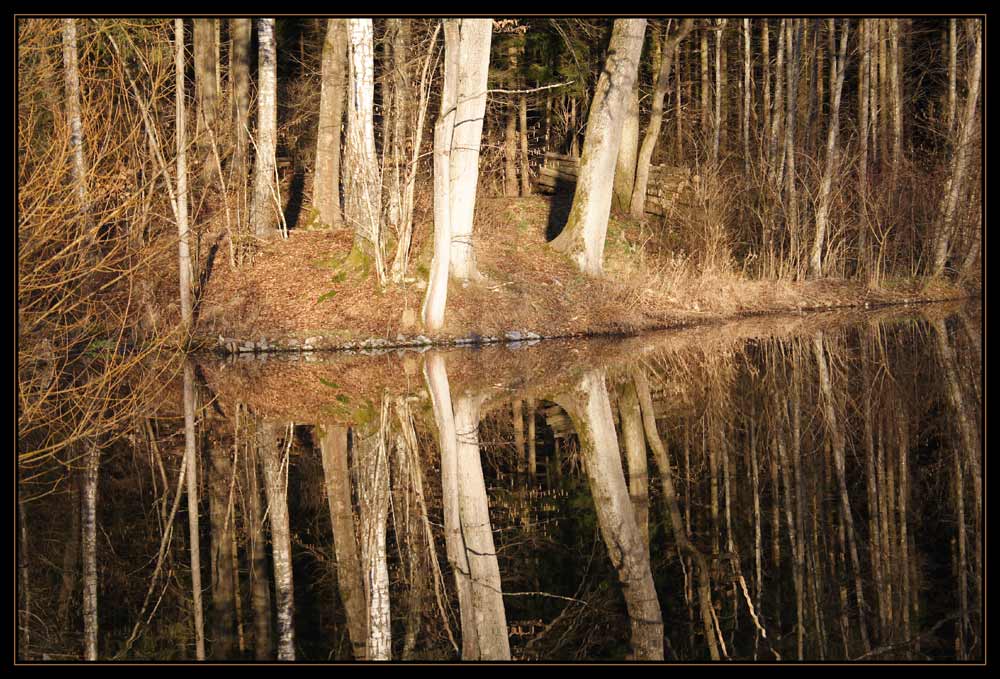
264, 208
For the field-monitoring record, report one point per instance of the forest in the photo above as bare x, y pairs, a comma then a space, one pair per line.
206, 206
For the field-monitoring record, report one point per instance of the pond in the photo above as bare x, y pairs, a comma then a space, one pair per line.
803, 487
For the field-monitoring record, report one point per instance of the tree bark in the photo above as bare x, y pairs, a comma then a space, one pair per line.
326, 180
337, 479
829, 167
960, 159
222, 518
525, 159
206, 87
649, 140
275, 466
88, 510
264, 208
590, 410
584, 235
625, 164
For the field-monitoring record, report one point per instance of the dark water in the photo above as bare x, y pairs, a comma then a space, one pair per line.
796, 488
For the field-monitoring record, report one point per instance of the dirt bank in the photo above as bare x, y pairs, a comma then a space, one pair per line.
305, 293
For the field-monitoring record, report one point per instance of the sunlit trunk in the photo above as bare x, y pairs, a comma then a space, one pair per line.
191, 460
274, 464
590, 410
88, 510
264, 208
206, 87
326, 179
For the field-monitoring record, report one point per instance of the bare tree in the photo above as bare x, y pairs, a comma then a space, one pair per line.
264, 208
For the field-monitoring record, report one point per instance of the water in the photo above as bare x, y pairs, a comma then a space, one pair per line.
772, 489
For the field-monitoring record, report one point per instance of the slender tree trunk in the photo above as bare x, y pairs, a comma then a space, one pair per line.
510, 152
952, 75
223, 584
239, 73
88, 510
525, 159
960, 160
583, 237
191, 460
652, 135
635, 457
275, 467
337, 479
260, 584
183, 245
864, 41
793, 30
71, 83
326, 180
24, 585
829, 167
264, 208
206, 87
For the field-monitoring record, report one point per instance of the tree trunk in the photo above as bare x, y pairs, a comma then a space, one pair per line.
191, 460
183, 246
264, 208
829, 167
583, 237
206, 97
473, 64
863, 96
372, 464
88, 510
960, 160
363, 181
649, 140
625, 165
635, 457
337, 478
456, 158
525, 160
510, 153
326, 180
223, 584
239, 74
590, 410
71, 82
275, 467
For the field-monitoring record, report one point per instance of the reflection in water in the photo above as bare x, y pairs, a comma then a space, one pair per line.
814, 492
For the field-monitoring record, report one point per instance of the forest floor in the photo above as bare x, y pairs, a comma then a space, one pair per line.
304, 292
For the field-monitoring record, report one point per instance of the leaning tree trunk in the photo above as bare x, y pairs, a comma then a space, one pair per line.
584, 235
456, 158
264, 208
960, 161
326, 180
590, 410
649, 140
826, 183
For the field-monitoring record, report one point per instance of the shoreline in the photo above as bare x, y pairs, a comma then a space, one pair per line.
228, 346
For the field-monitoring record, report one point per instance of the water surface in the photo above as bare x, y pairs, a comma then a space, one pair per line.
802, 487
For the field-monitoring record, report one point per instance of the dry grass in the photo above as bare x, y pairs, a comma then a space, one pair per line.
308, 287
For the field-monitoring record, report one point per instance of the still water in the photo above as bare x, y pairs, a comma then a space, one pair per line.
804, 487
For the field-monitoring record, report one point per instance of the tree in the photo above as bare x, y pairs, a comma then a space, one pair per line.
264, 208
583, 237
326, 180
457, 137
206, 86
649, 140
363, 180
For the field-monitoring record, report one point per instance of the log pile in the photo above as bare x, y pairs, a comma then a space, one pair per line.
669, 187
